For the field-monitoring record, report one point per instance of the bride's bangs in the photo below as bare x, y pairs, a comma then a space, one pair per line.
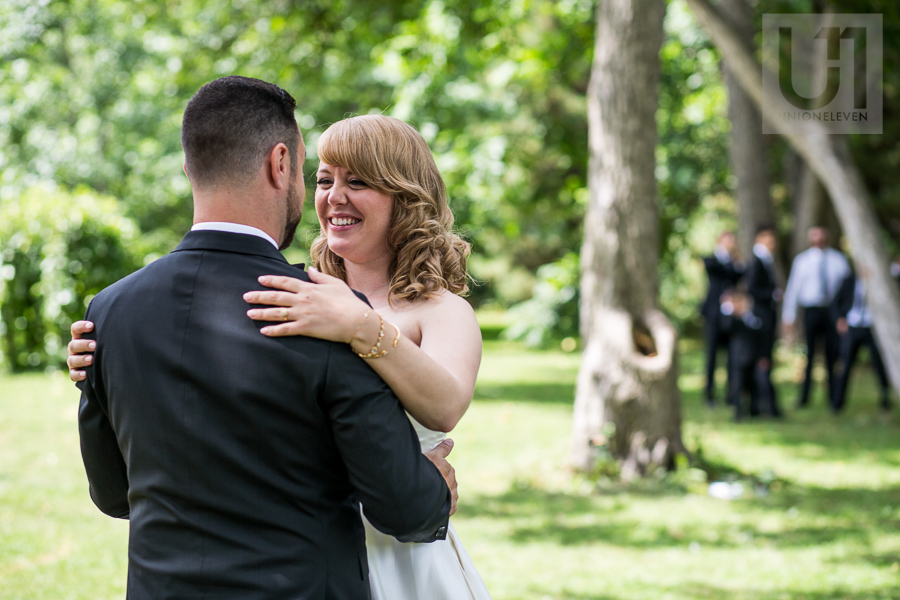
353, 145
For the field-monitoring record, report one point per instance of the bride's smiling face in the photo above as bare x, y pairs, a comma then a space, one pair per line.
356, 218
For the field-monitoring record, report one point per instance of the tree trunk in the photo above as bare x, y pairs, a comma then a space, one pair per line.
828, 156
627, 401
748, 153
812, 206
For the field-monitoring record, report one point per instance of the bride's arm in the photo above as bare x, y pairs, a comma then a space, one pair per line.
434, 381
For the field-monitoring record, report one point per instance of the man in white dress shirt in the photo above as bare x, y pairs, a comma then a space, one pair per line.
815, 278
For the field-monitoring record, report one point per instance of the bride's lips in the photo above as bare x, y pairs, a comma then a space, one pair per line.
342, 222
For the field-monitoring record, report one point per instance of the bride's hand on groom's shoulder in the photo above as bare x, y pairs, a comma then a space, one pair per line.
439, 457
326, 309
80, 351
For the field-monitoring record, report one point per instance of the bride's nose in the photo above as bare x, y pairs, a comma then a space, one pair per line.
337, 195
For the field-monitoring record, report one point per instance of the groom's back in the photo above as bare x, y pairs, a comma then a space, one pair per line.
236, 486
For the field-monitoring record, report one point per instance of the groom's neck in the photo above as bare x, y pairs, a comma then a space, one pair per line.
243, 206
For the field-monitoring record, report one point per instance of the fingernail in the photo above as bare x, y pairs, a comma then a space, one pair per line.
251, 313
92, 345
264, 331
263, 279
88, 358
314, 269
89, 326
449, 441
248, 296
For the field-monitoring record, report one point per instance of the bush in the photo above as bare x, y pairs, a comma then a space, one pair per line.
552, 311
57, 250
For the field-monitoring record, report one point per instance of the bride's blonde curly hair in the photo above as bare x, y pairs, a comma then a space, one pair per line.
393, 158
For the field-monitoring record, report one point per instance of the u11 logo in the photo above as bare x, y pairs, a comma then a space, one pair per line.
822, 73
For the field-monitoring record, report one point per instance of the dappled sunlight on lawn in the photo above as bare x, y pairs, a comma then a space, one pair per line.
828, 527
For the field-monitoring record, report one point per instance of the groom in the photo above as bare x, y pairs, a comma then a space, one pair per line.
241, 459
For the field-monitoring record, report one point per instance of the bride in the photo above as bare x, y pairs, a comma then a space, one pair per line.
385, 231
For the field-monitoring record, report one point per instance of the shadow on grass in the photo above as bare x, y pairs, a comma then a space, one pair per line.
822, 516
704, 591
711, 592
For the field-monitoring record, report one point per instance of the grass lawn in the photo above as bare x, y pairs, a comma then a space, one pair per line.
828, 528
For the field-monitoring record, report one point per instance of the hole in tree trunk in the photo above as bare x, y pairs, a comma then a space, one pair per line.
643, 340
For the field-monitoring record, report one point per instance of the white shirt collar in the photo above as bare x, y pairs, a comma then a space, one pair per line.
722, 254
234, 228
763, 253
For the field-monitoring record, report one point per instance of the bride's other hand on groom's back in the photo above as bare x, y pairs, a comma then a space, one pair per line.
80, 350
439, 457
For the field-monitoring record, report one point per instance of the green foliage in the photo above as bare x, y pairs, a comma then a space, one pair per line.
498, 90
92, 92
57, 250
552, 310
691, 157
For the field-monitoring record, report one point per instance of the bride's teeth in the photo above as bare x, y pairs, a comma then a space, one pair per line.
341, 222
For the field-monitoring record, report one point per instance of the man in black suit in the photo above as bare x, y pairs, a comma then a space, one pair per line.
241, 460
854, 324
763, 288
724, 273
744, 328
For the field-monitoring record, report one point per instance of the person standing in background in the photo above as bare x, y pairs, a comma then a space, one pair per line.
815, 278
724, 271
744, 329
854, 324
762, 287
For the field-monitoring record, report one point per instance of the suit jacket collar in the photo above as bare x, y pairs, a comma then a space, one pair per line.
225, 241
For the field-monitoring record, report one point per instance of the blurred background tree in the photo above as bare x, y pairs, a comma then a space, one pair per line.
92, 91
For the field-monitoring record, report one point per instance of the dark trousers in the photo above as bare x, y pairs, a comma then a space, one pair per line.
713, 339
819, 325
850, 345
741, 378
766, 399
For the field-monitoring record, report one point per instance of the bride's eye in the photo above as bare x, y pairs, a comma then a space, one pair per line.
358, 183
323, 181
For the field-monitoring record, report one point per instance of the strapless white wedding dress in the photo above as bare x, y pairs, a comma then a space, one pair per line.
441, 570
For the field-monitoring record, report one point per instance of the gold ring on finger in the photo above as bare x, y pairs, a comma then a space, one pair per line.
284, 314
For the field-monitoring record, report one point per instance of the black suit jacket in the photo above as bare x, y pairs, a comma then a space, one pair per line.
722, 277
843, 299
240, 459
761, 286
744, 341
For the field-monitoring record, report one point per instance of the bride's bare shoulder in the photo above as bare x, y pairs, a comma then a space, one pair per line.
446, 309
446, 301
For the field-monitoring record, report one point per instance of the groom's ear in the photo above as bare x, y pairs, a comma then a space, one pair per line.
279, 166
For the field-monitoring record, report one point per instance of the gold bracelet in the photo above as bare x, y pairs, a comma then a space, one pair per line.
394, 345
371, 353
358, 327
396, 339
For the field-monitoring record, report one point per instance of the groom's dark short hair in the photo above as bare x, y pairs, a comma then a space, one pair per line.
231, 124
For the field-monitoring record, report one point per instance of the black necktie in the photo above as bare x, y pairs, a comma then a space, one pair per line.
823, 278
